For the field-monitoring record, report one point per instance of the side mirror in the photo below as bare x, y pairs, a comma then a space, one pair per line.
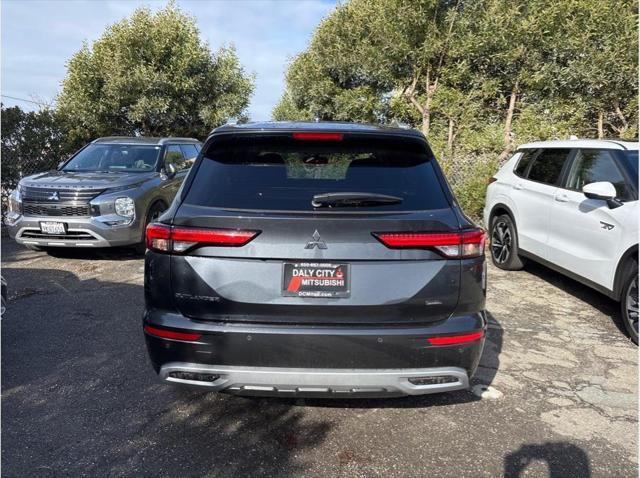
604, 191
169, 171
601, 190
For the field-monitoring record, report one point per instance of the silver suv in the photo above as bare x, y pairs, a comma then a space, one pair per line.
104, 195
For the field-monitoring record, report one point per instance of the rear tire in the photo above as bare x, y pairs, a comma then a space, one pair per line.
629, 302
154, 213
504, 244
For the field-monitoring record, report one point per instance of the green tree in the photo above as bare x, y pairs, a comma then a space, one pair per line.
569, 62
31, 142
152, 75
369, 51
599, 67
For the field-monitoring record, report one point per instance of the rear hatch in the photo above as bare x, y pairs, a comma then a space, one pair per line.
289, 228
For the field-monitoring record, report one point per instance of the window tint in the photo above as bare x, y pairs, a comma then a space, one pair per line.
591, 166
547, 165
524, 161
174, 155
279, 173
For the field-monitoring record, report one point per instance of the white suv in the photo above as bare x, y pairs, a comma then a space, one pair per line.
572, 206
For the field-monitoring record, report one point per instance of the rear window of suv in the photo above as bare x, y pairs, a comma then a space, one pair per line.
523, 163
547, 166
277, 172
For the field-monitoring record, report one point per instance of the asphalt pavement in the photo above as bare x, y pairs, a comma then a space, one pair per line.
556, 393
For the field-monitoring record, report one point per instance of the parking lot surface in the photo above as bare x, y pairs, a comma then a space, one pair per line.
555, 394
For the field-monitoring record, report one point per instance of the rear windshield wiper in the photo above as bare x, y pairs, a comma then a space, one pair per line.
353, 199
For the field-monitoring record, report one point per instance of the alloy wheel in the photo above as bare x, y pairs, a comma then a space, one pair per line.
501, 242
632, 305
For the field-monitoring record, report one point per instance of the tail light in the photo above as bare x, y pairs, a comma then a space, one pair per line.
456, 339
170, 334
463, 244
318, 136
163, 238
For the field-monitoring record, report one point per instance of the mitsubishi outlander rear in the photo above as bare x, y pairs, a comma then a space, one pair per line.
310, 259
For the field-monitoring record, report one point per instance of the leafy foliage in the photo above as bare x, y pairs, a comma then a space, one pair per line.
31, 142
151, 75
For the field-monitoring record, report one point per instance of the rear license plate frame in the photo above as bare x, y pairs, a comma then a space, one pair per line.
297, 288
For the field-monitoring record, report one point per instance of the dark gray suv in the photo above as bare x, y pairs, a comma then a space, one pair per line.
315, 259
104, 195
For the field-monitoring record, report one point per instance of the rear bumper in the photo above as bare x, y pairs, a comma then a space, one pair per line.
317, 382
311, 360
85, 232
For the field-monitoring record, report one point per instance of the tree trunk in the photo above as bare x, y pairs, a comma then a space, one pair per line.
426, 112
508, 143
625, 123
426, 121
450, 137
600, 125
509, 120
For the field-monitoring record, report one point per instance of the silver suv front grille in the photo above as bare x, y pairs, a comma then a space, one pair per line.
53, 202
35, 209
51, 195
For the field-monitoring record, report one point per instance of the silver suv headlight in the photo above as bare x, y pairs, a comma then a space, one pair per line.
15, 201
125, 207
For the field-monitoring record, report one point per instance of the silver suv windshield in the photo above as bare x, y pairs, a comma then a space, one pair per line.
115, 158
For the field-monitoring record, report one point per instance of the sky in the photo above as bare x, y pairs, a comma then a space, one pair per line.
39, 37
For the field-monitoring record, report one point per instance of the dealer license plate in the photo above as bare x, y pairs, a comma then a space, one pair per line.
315, 279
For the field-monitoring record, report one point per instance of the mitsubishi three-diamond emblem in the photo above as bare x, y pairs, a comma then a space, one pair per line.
316, 241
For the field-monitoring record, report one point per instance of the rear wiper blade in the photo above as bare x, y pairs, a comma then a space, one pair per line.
347, 199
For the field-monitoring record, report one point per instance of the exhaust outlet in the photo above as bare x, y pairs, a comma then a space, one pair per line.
180, 375
434, 380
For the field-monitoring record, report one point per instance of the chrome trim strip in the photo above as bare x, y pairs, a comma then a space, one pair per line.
72, 241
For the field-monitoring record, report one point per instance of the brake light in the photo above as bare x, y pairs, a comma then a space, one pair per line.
158, 237
170, 334
163, 238
464, 244
318, 136
456, 339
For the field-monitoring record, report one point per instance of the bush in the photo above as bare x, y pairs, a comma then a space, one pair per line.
469, 177
31, 143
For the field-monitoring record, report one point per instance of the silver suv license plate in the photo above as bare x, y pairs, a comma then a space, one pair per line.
53, 227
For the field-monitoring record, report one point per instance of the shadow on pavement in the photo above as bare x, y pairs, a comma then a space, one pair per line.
563, 460
13, 253
79, 393
605, 305
105, 253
